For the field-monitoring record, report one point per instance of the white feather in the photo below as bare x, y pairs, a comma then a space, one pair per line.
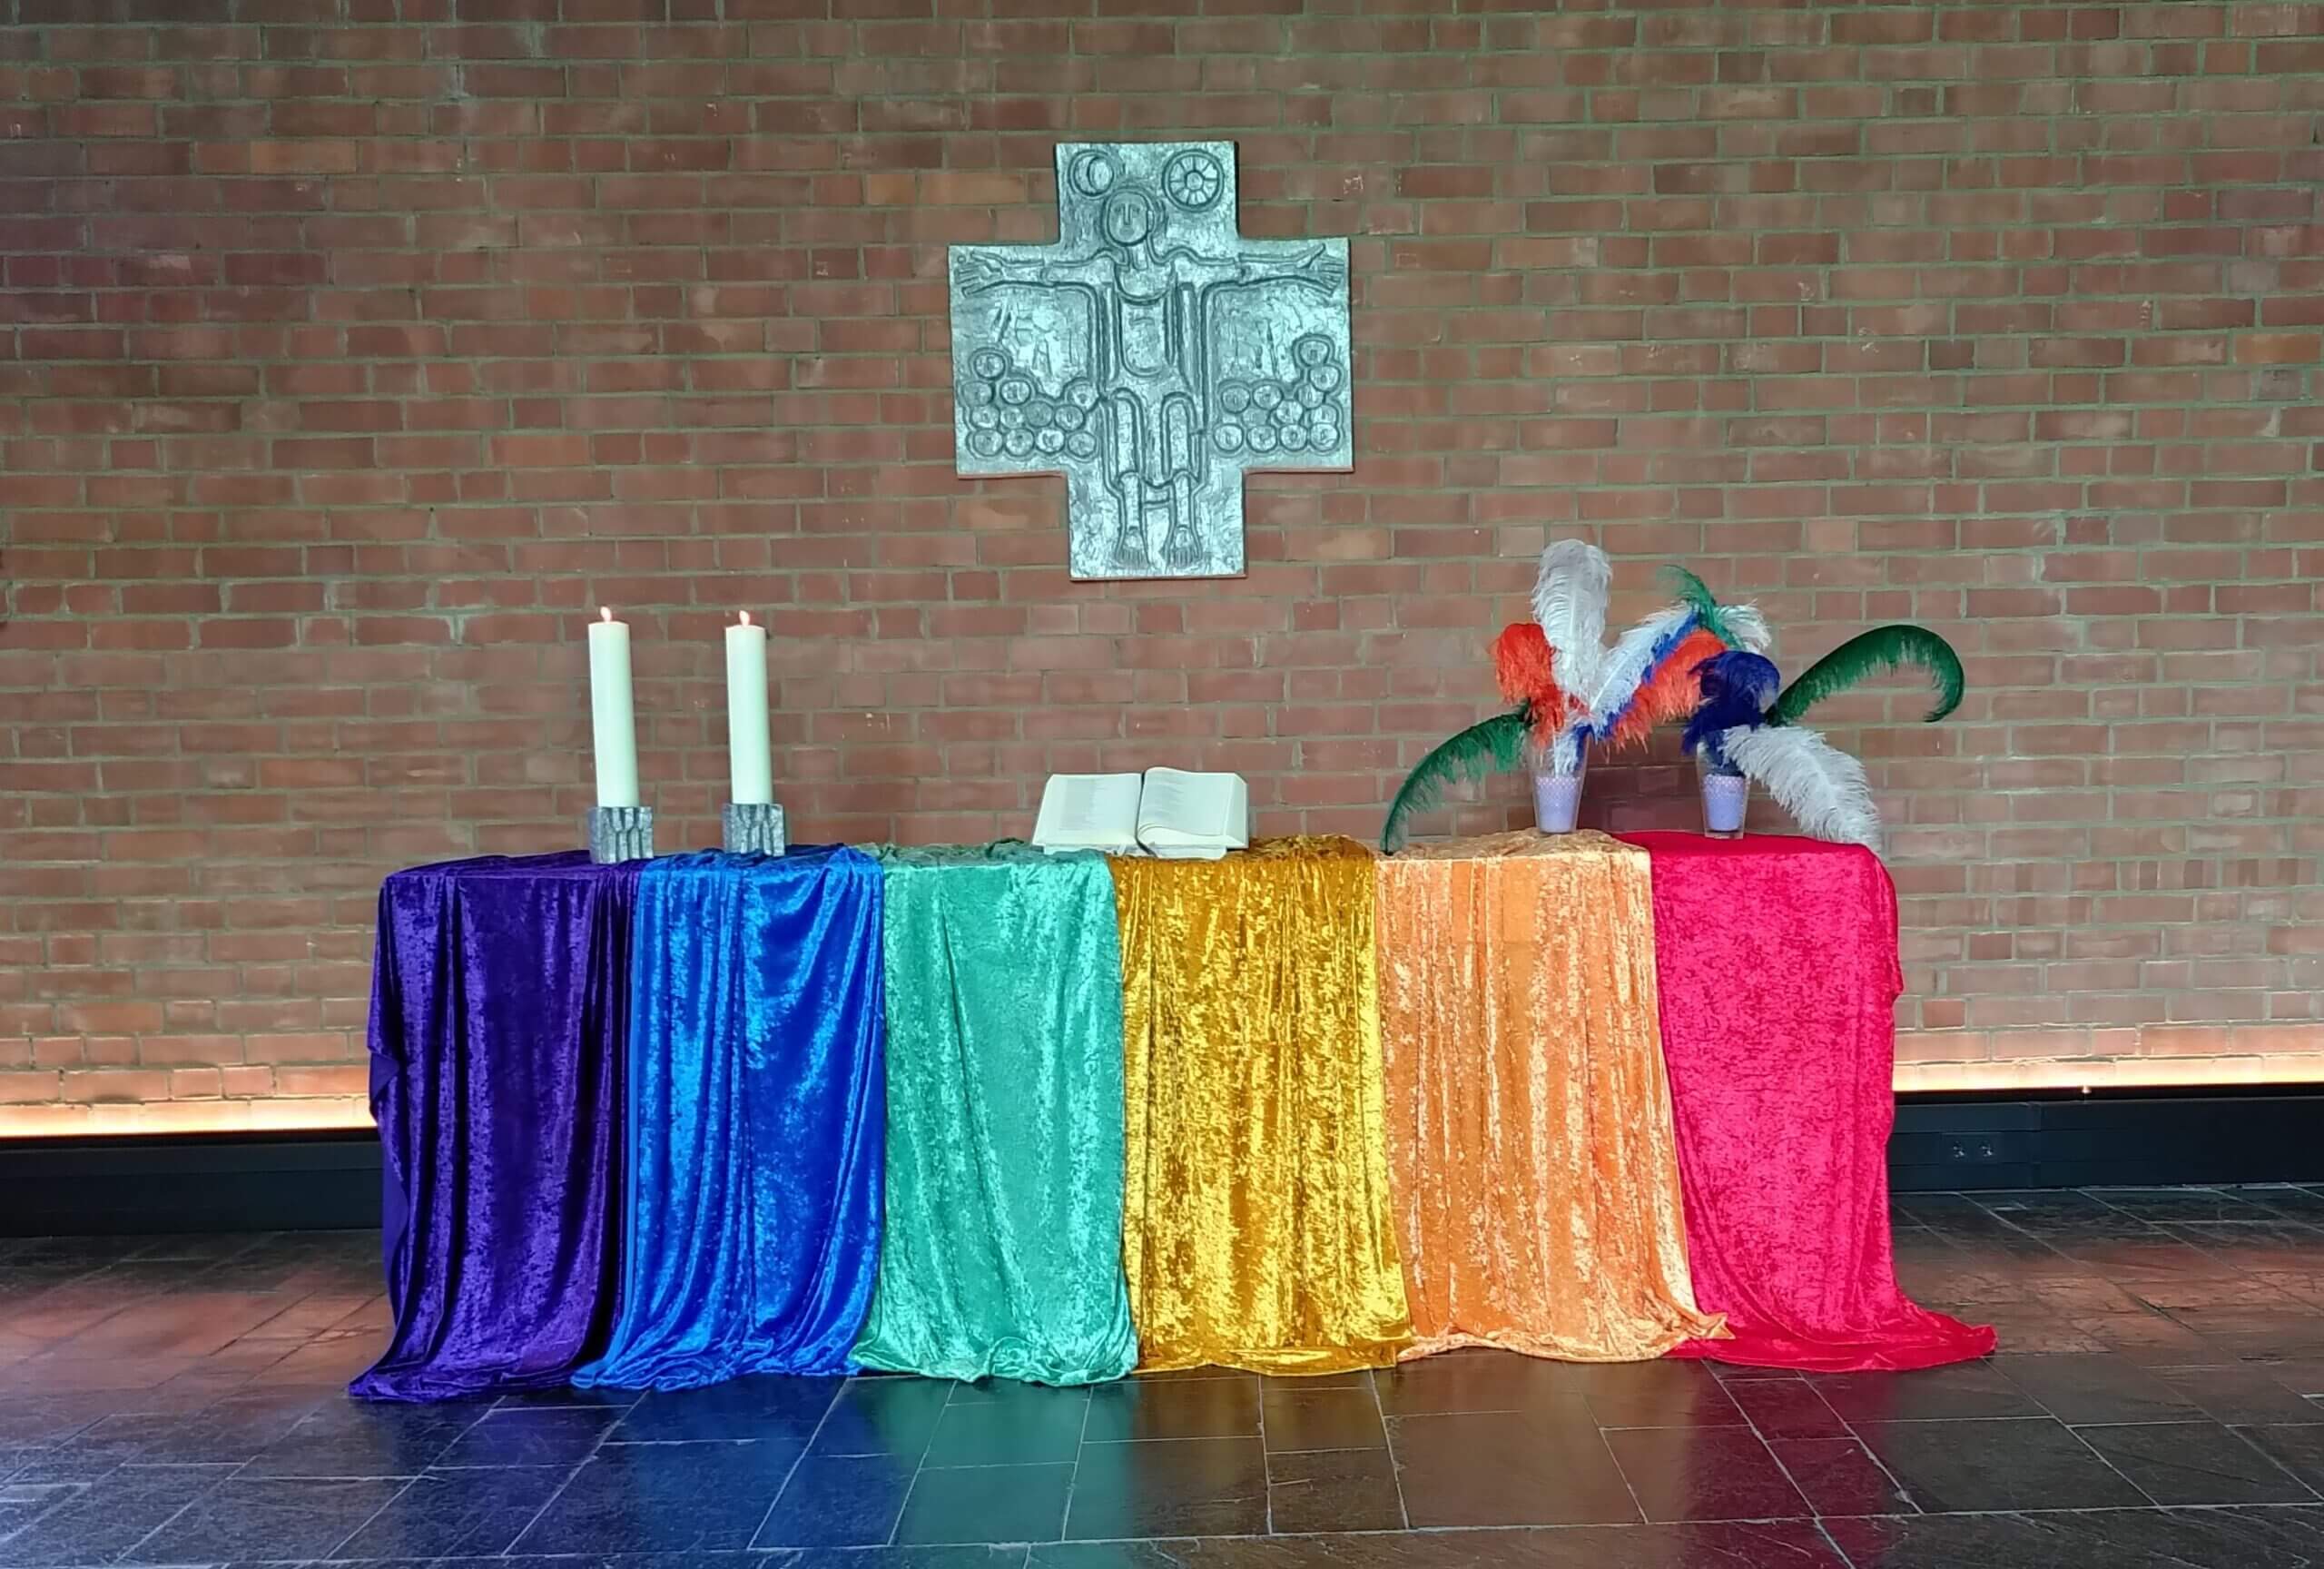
1569, 602
1565, 752
1630, 662
1821, 787
1751, 627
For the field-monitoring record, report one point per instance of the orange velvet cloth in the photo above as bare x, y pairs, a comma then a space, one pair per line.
1256, 1227
1534, 1166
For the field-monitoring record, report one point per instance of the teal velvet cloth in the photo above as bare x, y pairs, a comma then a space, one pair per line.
1001, 1254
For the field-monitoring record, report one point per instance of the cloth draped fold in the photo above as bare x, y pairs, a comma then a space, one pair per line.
1536, 1172
1257, 1230
499, 999
754, 1141
1777, 962
1001, 1250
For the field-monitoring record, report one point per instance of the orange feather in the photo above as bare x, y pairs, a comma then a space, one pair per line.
1671, 693
1521, 667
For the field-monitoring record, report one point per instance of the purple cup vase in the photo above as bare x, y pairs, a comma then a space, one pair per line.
1727, 795
1557, 800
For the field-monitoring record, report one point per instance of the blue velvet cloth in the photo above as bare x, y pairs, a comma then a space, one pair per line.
755, 1118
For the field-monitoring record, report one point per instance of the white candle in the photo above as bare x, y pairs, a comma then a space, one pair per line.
748, 760
612, 718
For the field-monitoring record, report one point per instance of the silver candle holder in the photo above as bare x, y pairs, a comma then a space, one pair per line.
618, 834
751, 830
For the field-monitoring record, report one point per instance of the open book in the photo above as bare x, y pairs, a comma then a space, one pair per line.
1163, 812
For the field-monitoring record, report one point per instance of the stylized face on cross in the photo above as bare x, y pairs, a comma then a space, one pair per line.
1151, 356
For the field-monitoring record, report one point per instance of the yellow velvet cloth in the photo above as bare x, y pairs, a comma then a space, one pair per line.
1529, 1113
1256, 1224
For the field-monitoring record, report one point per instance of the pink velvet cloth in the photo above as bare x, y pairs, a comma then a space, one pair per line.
1776, 961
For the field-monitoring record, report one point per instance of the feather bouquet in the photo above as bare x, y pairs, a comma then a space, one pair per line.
1746, 723
1570, 689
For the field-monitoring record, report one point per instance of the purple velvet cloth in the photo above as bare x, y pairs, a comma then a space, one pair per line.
500, 1011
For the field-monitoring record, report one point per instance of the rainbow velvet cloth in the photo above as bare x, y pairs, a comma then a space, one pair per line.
1535, 1164
1002, 1248
1257, 1230
754, 1114
1779, 1029
975, 1114
500, 1007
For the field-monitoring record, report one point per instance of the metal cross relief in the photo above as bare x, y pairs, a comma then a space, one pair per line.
1152, 356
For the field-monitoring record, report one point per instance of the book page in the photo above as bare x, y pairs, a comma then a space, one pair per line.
1200, 812
1088, 812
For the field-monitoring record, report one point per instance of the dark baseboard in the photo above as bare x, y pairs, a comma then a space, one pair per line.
327, 1181
218, 1182
2119, 1139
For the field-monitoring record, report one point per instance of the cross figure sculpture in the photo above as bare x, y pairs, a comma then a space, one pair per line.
1152, 356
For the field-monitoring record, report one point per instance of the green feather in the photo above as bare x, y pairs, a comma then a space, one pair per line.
1692, 591
1883, 648
1494, 746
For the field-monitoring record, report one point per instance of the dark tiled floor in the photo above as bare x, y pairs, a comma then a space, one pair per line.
2159, 1401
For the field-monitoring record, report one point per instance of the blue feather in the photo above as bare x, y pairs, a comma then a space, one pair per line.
1662, 647
1737, 686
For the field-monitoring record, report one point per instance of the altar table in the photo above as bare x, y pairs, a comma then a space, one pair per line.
1298, 1111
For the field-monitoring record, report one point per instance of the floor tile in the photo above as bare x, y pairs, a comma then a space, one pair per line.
2261, 1538
1311, 1490
539, 1435
839, 1501
1704, 1474
2015, 1463
232, 1430
1772, 1545
1296, 1418
105, 1519
458, 1513
2297, 1449
1170, 1487
1656, 1395
2178, 1203
1011, 1556
1475, 1380
271, 1517
1839, 1476
356, 1438
764, 1405
20, 1505
1935, 1394
894, 1415
987, 1503
44, 1419
2195, 1463
1038, 1427
611, 1400
1207, 1408
1786, 1408
1507, 1468
664, 1498
179, 1396
2105, 1387
2146, 1337
2238, 1394
1037, 1396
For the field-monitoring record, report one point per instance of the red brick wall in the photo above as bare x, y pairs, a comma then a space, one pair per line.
349, 350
